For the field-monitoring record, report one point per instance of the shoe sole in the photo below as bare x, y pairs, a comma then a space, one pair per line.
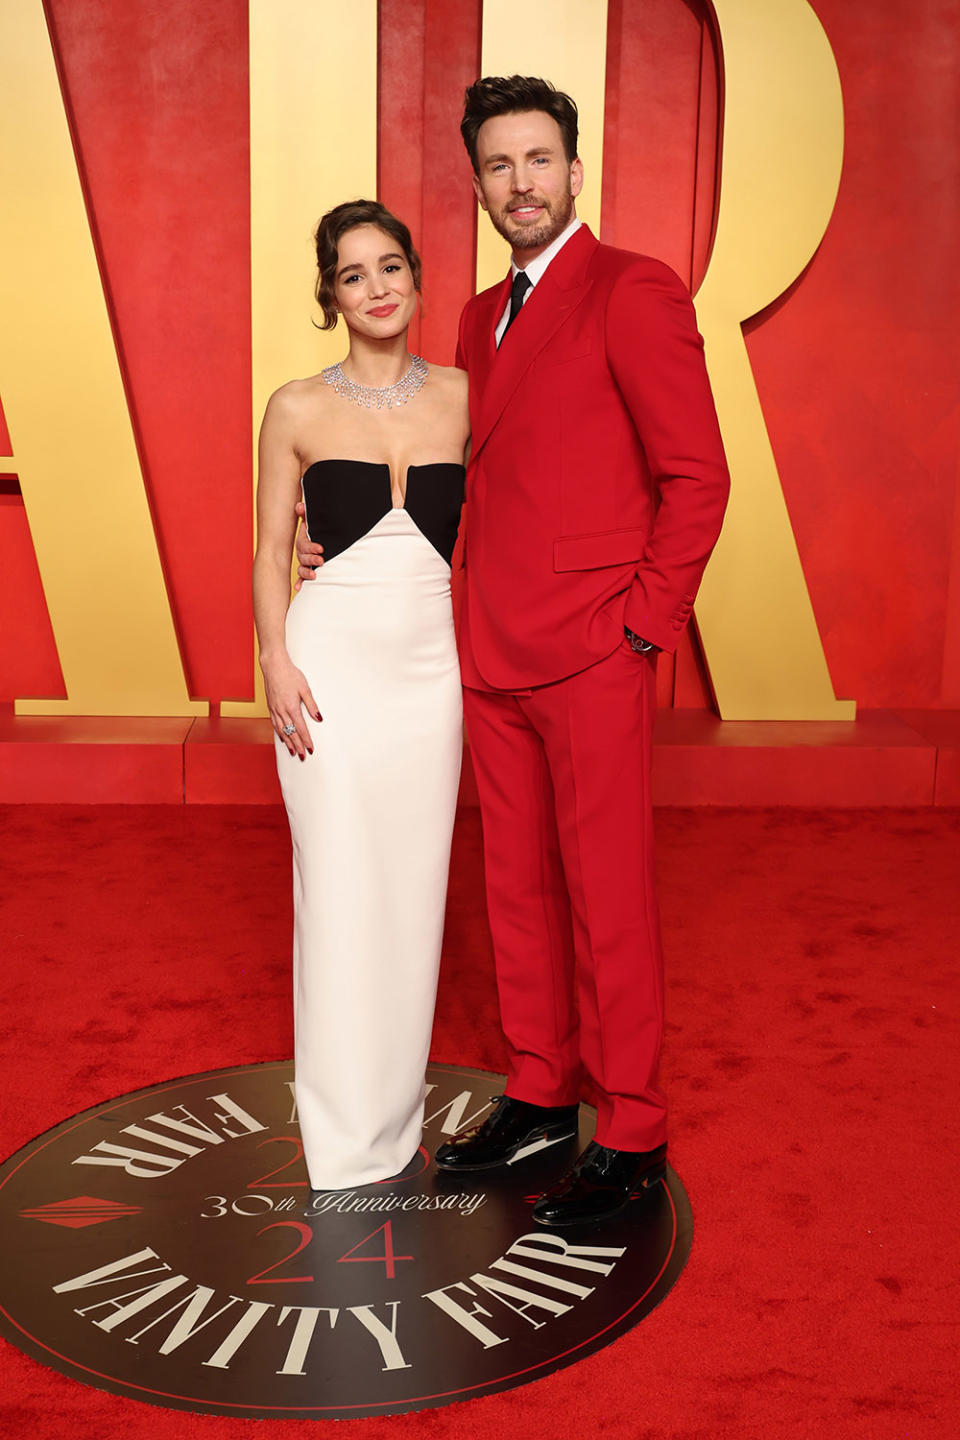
529, 1147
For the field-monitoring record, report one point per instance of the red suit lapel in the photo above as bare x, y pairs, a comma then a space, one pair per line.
554, 298
490, 305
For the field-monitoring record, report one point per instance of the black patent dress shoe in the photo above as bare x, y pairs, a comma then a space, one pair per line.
513, 1128
600, 1184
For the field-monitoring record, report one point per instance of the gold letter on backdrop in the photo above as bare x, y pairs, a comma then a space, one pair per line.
782, 152
70, 428
566, 42
313, 143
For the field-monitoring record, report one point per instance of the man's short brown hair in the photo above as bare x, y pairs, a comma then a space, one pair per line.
513, 95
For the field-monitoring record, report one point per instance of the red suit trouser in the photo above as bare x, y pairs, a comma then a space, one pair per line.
563, 773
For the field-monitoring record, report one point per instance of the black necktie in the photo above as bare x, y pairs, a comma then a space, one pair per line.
521, 284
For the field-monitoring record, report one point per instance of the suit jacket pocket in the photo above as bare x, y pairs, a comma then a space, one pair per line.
552, 355
603, 547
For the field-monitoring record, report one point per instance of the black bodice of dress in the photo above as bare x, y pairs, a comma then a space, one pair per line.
344, 499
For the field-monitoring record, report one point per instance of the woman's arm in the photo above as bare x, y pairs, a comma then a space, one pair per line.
277, 489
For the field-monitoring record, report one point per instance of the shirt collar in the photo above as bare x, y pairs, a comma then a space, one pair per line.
535, 270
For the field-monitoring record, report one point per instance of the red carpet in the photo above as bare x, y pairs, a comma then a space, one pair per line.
810, 1062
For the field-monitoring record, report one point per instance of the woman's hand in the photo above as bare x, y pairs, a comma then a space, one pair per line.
287, 693
309, 554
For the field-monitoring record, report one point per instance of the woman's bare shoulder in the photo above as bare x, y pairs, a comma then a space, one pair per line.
296, 396
450, 376
449, 386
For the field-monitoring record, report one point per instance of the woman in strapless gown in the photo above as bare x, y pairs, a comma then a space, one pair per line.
363, 687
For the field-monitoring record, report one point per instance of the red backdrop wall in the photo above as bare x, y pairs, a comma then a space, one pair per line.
857, 366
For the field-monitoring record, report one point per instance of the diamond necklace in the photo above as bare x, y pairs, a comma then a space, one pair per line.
385, 397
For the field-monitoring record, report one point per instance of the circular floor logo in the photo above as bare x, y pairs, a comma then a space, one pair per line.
167, 1246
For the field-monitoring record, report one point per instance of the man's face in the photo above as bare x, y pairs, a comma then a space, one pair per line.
525, 182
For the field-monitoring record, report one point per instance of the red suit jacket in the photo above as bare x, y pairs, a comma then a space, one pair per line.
597, 481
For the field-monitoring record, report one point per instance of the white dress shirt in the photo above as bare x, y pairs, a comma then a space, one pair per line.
535, 271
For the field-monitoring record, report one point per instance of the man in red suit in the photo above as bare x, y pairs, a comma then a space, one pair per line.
596, 491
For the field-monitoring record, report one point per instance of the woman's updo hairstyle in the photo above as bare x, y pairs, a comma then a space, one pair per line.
331, 229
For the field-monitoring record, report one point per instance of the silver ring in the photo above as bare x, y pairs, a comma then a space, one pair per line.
288, 730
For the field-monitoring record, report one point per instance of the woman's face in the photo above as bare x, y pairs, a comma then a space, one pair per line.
373, 284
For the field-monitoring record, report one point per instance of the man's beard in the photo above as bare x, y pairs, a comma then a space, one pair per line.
527, 237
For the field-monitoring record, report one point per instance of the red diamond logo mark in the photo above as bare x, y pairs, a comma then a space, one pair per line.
80, 1212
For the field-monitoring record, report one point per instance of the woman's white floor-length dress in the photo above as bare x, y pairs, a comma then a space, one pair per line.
371, 812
